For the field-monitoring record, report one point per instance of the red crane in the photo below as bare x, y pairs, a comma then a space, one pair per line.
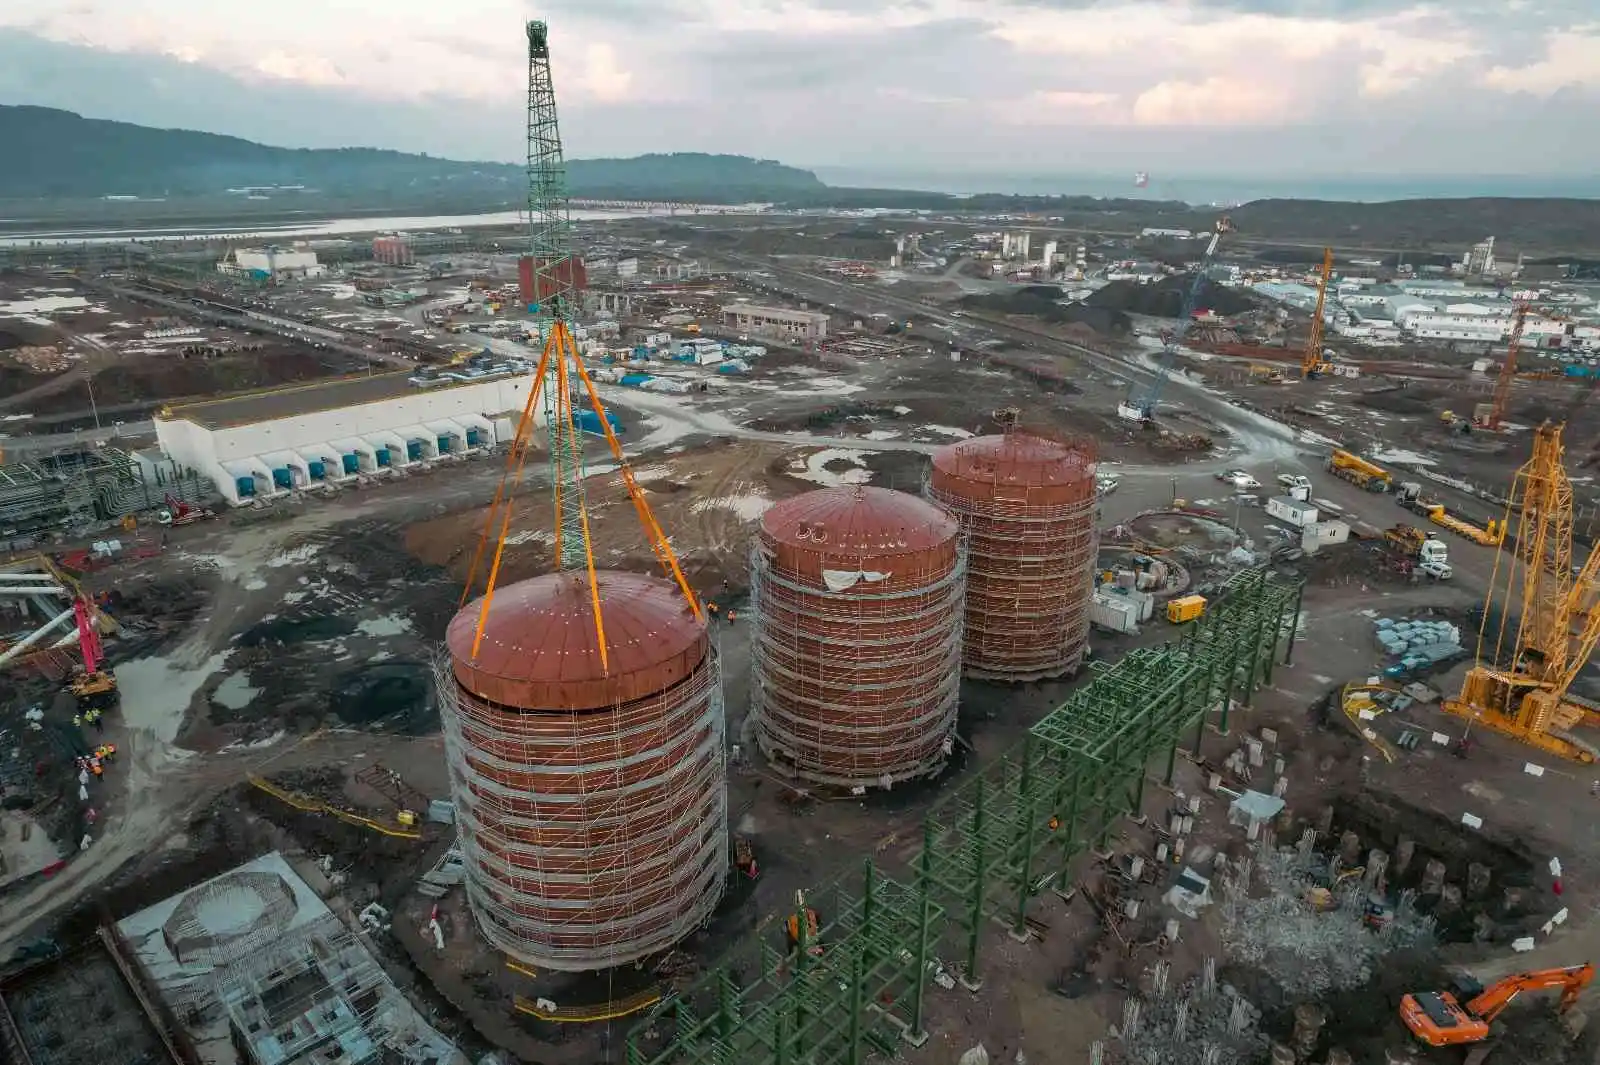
1496, 415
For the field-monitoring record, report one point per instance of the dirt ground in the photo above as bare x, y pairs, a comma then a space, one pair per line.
295, 644
130, 372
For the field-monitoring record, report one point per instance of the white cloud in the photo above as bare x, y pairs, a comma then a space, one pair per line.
935, 81
1571, 60
306, 69
1214, 101
602, 76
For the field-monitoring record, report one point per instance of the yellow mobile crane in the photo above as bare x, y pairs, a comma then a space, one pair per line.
1315, 363
1521, 685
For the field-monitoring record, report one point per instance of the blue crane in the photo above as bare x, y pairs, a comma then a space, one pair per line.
1141, 403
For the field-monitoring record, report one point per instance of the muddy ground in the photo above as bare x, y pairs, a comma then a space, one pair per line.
129, 373
294, 644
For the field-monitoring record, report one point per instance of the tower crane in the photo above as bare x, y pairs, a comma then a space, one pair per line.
1493, 418
561, 373
1313, 364
1521, 683
1141, 403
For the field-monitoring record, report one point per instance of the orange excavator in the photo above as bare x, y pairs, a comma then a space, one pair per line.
1439, 1020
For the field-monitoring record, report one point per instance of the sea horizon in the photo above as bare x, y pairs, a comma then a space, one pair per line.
1221, 189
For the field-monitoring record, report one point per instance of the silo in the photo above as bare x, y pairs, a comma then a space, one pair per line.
856, 657
1027, 504
591, 801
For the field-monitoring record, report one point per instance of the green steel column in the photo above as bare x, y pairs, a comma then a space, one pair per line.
980, 877
1294, 625
1069, 839
915, 1034
858, 978
1172, 763
1267, 650
727, 1017
783, 1030
1233, 679
1108, 789
633, 1055
1030, 827
1256, 658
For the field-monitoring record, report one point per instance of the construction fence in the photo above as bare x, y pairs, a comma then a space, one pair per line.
990, 848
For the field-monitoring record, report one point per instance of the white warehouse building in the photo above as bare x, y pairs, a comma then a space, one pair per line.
272, 262
262, 445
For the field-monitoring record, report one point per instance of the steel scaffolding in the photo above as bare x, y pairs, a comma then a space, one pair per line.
83, 487
858, 689
989, 849
592, 838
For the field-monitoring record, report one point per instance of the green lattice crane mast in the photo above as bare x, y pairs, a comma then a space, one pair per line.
553, 291
552, 276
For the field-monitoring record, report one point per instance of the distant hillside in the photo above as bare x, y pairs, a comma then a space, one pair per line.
53, 154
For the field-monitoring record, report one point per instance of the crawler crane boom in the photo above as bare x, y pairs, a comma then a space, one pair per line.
1313, 364
1521, 684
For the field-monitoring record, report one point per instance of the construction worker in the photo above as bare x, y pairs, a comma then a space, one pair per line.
77, 720
812, 947
96, 768
731, 615
111, 752
711, 611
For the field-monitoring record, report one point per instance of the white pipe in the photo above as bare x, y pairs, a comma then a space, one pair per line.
22, 645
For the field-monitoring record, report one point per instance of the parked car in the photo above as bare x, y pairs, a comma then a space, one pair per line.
1239, 480
1439, 571
1105, 485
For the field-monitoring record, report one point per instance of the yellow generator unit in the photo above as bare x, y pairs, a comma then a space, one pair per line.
1185, 608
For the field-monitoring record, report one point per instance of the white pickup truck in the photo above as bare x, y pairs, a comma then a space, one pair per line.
1294, 480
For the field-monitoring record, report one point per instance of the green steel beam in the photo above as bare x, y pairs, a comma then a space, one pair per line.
988, 847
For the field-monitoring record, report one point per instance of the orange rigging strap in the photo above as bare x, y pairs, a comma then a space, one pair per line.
653, 532
503, 498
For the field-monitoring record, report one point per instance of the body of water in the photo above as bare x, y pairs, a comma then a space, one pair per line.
326, 228
1223, 189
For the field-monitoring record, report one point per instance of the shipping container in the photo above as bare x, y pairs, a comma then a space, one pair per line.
1294, 511
1113, 613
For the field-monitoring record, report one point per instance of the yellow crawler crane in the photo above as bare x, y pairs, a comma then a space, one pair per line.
1521, 684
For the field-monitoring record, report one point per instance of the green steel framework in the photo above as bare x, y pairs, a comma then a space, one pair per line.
989, 848
552, 266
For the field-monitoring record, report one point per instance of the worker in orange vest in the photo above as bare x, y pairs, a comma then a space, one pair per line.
731, 616
711, 609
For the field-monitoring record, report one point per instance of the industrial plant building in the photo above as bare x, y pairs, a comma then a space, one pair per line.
258, 445
590, 785
253, 958
272, 263
775, 321
103, 484
857, 647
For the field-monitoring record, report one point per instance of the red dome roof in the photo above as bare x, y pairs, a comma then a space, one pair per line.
859, 520
1017, 459
540, 651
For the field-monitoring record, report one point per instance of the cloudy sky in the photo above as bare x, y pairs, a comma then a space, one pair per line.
1269, 87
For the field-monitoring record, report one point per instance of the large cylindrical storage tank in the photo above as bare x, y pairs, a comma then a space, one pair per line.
856, 657
591, 801
1027, 505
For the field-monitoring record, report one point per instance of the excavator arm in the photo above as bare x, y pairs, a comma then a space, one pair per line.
1437, 1019
1495, 998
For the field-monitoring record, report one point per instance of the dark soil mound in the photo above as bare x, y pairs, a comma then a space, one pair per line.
1164, 299
1040, 301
